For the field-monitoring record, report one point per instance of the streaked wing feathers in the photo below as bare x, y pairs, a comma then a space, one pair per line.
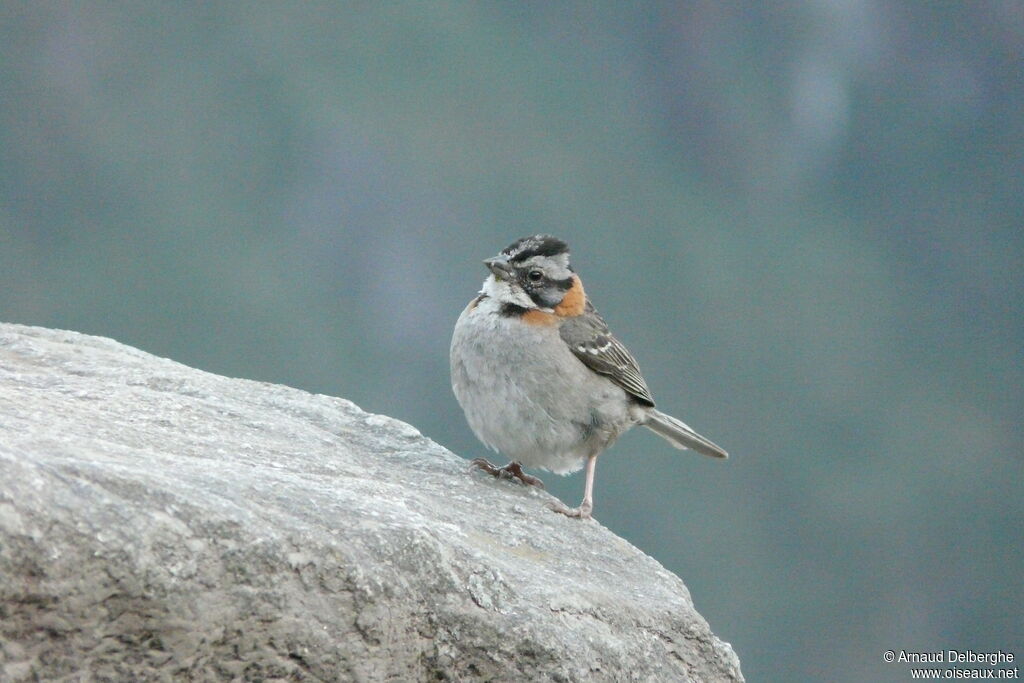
590, 340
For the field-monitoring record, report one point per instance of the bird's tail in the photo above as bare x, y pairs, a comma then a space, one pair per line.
680, 435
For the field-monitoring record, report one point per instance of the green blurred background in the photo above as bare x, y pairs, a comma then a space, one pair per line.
805, 220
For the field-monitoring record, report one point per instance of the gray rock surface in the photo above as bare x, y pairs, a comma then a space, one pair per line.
162, 523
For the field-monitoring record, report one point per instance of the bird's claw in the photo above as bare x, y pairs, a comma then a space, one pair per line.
582, 512
513, 470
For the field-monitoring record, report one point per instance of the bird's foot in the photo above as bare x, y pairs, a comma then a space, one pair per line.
513, 470
582, 512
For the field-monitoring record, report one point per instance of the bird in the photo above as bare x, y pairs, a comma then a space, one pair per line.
540, 377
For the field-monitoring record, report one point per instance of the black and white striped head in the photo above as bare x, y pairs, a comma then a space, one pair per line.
531, 273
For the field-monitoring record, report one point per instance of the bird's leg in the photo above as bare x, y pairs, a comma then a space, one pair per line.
513, 470
585, 508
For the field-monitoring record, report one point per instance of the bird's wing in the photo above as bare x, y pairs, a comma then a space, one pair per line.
588, 337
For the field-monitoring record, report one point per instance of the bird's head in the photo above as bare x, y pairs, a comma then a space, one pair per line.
533, 273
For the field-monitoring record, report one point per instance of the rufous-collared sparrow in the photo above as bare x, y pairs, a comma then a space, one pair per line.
540, 377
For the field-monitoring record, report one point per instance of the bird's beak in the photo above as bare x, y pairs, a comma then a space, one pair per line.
499, 267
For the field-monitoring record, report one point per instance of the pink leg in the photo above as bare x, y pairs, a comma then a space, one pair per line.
585, 508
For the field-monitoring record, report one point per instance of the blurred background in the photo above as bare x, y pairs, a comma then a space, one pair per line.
805, 220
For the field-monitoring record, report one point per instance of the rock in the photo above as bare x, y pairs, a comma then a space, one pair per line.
162, 523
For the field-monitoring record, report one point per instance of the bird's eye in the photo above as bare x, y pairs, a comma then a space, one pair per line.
535, 275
